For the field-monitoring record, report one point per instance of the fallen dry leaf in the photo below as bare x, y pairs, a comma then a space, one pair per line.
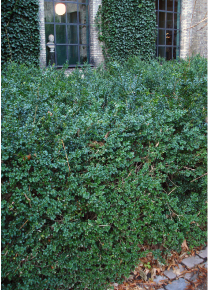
96, 144
28, 156
172, 264
146, 271
143, 275
177, 271
184, 245
153, 273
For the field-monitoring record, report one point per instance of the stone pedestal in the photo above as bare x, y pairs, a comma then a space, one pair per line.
51, 46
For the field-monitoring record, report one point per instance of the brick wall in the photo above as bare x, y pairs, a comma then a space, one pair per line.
96, 56
42, 34
193, 28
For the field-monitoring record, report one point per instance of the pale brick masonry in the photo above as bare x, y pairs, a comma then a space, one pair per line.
42, 34
193, 28
96, 56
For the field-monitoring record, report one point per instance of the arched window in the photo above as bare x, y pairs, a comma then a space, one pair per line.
68, 22
168, 24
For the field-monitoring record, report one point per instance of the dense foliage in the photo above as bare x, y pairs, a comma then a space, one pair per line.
95, 164
20, 31
127, 28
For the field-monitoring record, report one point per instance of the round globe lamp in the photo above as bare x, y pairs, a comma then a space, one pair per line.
60, 9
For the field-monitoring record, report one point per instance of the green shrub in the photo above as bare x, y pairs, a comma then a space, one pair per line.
96, 163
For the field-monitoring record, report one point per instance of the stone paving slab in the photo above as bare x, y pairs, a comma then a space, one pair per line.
159, 278
203, 254
179, 269
192, 261
191, 276
170, 274
179, 284
203, 265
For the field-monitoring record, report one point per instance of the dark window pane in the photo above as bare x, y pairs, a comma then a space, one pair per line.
61, 54
83, 14
161, 51
82, 34
176, 21
162, 37
60, 34
162, 5
175, 37
169, 5
156, 4
162, 19
49, 29
83, 54
169, 20
169, 37
71, 10
174, 52
73, 54
177, 5
47, 55
48, 11
176, 40
168, 53
72, 34
50, 57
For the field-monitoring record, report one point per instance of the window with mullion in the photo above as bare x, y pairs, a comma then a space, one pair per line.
168, 23
70, 31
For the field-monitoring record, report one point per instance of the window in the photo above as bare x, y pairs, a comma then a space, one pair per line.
168, 33
70, 28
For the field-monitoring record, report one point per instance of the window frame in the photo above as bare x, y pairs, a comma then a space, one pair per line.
175, 45
78, 24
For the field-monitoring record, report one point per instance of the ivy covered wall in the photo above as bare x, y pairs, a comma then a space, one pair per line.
127, 27
20, 31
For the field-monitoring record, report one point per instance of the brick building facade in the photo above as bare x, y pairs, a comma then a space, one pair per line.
193, 30
193, 38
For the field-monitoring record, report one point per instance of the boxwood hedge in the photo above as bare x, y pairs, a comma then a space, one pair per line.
95, 164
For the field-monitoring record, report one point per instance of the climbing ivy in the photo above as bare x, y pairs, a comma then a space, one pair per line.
20, 31
127, 28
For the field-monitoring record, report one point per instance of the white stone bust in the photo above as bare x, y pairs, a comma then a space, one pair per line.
51, 38
51, 44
